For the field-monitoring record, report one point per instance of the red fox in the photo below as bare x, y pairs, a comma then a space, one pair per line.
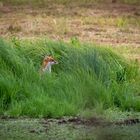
48, 61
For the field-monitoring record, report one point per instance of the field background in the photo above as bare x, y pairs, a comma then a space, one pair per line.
98, 21
94, 91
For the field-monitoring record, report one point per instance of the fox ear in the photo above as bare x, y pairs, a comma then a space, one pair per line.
46, 56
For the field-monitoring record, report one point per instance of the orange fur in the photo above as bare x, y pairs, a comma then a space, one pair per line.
47, 62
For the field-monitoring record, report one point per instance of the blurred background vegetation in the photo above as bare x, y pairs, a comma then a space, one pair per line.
42, 2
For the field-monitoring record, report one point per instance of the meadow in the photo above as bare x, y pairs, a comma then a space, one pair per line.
89, 80
96, 21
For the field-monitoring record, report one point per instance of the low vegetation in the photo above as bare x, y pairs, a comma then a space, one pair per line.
87, 78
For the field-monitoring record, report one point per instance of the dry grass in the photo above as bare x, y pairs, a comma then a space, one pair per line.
113, 24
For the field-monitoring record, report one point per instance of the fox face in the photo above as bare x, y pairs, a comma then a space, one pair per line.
47, 63
50, 59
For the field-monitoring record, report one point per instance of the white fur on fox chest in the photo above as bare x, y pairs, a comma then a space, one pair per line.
47, 68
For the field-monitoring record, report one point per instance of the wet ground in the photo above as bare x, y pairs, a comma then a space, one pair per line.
68, 129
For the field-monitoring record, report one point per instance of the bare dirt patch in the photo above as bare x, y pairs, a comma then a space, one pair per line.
90, 121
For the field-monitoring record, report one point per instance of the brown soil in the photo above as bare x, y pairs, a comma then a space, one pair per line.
89, 122
111, 23
93, 121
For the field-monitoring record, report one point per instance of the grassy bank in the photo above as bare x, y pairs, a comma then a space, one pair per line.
88, 78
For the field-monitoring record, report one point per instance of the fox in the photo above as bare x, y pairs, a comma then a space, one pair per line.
48, 61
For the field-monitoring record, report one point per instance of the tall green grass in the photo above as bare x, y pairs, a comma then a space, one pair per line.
87, 78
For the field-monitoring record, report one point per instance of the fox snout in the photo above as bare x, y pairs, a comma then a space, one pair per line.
52, 62
55, 62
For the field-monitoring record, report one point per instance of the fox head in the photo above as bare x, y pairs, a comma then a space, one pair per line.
49, 59
48, 62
